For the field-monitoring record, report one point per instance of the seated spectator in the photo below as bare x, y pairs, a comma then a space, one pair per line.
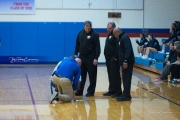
141, 43
151, 46
171, 59
172, 55
172, 38
174, 69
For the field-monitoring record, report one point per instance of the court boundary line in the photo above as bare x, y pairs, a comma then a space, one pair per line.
32, 98
157, 95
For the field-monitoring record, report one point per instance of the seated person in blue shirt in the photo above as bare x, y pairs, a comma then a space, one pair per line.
172, 38
151, 46
141, 43
66, 77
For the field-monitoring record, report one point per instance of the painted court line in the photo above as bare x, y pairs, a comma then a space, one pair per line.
32, 98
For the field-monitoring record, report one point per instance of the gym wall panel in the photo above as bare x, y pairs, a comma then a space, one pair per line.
24, 38
51, 41
130, 4
103, 4
76, 4
71, 31
5, 36
47, 4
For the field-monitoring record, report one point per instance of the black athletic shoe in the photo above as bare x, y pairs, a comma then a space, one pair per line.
89, 95
123, 98
176, 81
115, 95
171, 81
78, 94
107, 94
53, 96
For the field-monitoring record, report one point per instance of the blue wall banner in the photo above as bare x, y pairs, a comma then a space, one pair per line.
37, 42
24, 60
19, 59
17, 6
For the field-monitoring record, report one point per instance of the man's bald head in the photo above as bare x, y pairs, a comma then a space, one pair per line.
117, 31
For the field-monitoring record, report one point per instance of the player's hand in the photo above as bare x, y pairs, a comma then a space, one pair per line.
95, 62
125, 65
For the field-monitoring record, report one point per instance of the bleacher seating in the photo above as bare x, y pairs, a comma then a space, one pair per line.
159, 56
157, 59
159, 65
145, 62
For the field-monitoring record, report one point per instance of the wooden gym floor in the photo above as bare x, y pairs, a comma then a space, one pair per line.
25, 90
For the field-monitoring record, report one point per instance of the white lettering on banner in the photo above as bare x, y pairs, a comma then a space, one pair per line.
22, 60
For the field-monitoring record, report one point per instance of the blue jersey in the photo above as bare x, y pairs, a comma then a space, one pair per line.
70, 69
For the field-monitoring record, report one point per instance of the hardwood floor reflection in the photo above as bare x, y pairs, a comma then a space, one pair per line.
24, 93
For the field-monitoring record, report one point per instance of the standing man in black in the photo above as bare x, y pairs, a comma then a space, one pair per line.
126, 60
88, 48
110, 51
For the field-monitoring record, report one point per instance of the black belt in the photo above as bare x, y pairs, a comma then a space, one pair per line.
58, 75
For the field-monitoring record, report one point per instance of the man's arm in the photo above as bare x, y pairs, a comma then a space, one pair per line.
97, 46
128, 47
77, 46
115, 47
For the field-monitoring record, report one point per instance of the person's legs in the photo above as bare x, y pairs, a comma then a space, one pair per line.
140, 50
165, 72
66, 86
172, 70
108, 65
83, 78
55, 80
115, 78
163, 47
176, 71
150, 49
146, 50
127, 76
92, 71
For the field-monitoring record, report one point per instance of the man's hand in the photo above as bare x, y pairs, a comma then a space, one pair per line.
167, 63
95, 62
145, 43
115, 59
74, 96
125, 65
78, 87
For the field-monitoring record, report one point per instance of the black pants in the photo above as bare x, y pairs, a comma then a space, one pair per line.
127, 76
88, 67
175, 71
113, 76
165, 72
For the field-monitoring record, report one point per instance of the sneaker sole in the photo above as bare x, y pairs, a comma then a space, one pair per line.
53, 97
